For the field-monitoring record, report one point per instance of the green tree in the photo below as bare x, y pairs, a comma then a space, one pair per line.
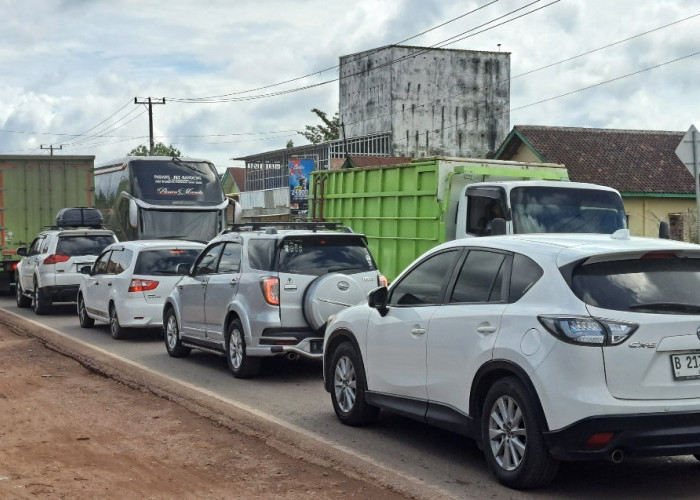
328, 131
159, 149
290, 143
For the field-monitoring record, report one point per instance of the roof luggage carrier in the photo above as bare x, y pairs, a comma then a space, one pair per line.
272, 227
79, 217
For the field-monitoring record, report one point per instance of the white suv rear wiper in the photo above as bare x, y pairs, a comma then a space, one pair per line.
666, 307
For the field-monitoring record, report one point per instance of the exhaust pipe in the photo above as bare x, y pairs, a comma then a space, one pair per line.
617, 456
292, 356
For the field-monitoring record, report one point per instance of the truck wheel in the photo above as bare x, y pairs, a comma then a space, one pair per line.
240, 364
22, 300
349, 387
41, 304
512, 439
114, 327
173, 344
85, 320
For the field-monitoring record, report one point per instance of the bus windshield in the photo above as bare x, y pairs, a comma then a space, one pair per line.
164, 224
176, 182
540, 209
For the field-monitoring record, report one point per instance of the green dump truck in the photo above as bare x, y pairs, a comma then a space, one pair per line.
33, 189
405, 210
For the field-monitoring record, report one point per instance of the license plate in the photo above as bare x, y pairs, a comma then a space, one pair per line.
686, 366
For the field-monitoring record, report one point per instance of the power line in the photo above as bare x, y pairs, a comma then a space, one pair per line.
318, 72
388, 63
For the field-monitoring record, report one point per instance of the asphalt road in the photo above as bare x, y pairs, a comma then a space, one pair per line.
292, 394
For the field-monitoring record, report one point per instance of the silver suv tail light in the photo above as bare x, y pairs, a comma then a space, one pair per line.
271, 290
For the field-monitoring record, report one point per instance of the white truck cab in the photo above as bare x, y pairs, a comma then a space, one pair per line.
536, 207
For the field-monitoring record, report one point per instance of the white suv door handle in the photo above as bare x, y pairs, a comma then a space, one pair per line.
233, 282
485, 329
417, 331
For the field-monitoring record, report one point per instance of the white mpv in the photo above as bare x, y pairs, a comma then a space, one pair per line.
128, 283
540, 347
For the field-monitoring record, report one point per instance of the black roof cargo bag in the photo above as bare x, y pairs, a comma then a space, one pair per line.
79, 217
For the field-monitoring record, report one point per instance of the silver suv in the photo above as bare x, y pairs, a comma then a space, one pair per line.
259, 291
50, 269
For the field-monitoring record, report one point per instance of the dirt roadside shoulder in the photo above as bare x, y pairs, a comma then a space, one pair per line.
75, 421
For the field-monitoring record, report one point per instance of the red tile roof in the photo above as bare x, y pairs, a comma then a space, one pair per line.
631, 161
378, 161
238, 174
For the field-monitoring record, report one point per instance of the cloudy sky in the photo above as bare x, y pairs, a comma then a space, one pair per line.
70, 70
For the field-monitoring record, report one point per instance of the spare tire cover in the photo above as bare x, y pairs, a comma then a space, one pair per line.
330, 294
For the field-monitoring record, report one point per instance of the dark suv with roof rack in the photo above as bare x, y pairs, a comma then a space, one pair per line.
266, 290
50, 269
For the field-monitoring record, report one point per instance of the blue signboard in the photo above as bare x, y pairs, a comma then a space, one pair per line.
299, 174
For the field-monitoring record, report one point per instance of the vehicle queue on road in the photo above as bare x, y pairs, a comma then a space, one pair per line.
469, 337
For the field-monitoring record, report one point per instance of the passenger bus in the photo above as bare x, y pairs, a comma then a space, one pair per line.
153, 197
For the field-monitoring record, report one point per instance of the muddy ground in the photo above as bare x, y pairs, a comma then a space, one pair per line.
76, 424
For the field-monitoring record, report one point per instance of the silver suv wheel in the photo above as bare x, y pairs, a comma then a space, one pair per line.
235, 349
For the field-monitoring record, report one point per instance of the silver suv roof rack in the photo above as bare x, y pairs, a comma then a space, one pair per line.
272, 227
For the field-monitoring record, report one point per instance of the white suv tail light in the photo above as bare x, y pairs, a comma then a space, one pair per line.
586, 330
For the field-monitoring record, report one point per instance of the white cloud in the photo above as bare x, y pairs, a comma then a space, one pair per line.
68, 65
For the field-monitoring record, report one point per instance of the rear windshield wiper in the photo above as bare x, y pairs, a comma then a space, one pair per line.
337, 269
666, 307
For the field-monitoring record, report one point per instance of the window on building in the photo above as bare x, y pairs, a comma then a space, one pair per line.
675, 222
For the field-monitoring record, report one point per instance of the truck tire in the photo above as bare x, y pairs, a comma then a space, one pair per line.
22, 300
327, 295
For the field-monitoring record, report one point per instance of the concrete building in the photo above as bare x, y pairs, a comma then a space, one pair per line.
432, 102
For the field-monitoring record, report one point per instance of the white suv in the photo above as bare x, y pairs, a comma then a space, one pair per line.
540, 347
50, 269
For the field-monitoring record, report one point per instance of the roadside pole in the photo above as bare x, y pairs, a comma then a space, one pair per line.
687, 152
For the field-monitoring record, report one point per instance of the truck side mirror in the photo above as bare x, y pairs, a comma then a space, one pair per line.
133, 214
664, 230
498, 226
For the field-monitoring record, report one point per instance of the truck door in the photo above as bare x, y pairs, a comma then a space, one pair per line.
482, 205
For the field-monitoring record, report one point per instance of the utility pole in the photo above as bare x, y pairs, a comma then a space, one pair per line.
150, 103
51, 147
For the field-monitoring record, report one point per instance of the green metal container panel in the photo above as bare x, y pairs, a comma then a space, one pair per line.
32, 191
404, 210
396, 207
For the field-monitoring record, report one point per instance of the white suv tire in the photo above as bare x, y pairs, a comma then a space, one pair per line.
349, 387
22, 300
512, 437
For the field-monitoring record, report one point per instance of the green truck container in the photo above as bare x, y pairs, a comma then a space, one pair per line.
33, 189
404, 210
